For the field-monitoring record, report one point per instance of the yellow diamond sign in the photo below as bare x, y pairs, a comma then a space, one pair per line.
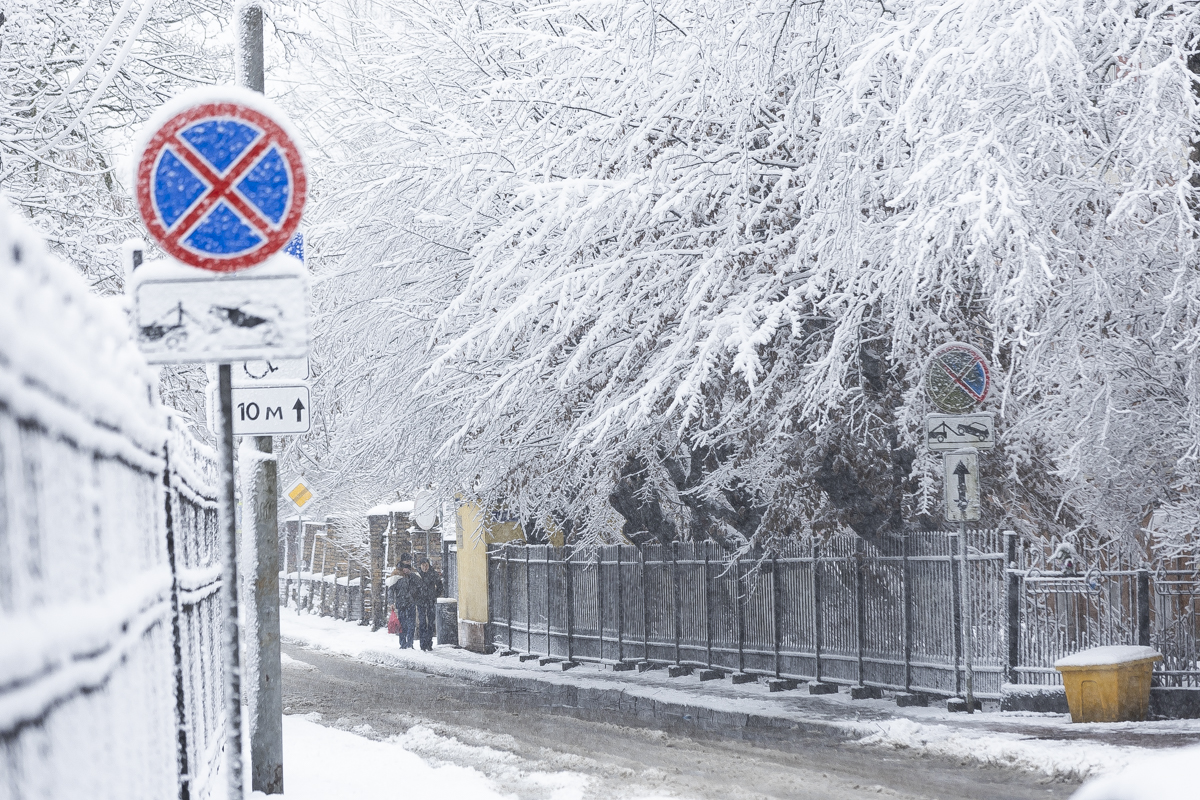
299, 493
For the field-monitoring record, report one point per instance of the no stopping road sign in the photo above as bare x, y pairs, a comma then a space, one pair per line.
220, 183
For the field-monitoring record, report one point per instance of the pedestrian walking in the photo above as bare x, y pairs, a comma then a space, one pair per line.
402, 594
429, 589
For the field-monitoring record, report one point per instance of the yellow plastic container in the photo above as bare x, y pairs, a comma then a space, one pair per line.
1108, 684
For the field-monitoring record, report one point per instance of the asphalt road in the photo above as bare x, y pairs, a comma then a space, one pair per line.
522, 745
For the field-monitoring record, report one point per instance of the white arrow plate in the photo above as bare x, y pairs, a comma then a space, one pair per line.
266, 410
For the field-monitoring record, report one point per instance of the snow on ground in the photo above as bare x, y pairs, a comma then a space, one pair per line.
321, 762
1173, 775
1043, 743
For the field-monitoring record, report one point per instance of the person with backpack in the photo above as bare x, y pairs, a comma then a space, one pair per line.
402, 594
429, 589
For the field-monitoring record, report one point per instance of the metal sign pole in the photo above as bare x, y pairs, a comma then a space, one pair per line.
266, 699
964, 586
968, 639
229, 590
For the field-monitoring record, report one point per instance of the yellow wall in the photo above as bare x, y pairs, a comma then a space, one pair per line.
474, 535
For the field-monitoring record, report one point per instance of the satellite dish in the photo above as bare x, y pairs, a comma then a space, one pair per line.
425, 509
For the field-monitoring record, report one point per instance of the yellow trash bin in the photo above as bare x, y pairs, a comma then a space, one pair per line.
1108, 684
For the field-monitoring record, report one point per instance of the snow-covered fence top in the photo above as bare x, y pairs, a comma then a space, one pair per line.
91, 694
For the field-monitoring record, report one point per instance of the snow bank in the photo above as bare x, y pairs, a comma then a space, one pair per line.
1173, 775
1114, 654
1062, 760
322, 763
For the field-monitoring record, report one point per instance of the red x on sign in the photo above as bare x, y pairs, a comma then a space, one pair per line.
221, 186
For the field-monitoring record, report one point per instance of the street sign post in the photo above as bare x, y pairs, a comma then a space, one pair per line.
220, 184
952, 431
957, 379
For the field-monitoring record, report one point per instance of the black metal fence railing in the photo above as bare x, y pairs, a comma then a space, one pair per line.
194, 549
845, 611
111, 680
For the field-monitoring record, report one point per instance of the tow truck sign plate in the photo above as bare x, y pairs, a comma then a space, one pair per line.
183, 315
952, 431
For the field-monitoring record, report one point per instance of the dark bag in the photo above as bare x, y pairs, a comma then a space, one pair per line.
393, 623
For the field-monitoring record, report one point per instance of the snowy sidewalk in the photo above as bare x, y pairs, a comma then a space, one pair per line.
1045, 743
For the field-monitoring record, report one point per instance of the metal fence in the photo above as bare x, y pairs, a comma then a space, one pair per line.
194, 548
844, 611
110, 676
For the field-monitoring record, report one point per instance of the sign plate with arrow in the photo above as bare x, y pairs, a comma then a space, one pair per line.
268, 410
962, 485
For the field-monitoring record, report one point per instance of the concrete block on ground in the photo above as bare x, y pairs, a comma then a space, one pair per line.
473, 636
821, 687
743, 677
625, 666
544, 660
909, 699
1043, 699
865, 693
959, 704
678, 670
711, 675
781, 685
642, 666
566, 665
529, 657
503, 653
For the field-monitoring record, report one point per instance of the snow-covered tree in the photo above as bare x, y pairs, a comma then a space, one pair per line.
689, 258
78, 78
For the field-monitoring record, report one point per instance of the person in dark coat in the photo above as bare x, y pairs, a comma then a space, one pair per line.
429, 589
402, 594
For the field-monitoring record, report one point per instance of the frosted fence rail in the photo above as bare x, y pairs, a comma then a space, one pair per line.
109, 675
845, 611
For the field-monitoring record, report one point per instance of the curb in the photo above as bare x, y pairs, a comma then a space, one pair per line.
613, 705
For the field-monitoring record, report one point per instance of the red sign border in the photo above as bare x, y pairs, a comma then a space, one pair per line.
978, 355
274, 240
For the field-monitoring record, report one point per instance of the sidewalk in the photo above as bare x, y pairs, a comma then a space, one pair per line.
1045, 743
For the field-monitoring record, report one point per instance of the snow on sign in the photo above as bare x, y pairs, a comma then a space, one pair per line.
220, 183
184, 315
957, 377
261, 372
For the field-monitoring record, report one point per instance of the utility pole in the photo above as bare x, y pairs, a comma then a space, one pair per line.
265, 698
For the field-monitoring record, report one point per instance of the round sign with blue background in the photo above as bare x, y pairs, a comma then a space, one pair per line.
957, 378
220, 183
